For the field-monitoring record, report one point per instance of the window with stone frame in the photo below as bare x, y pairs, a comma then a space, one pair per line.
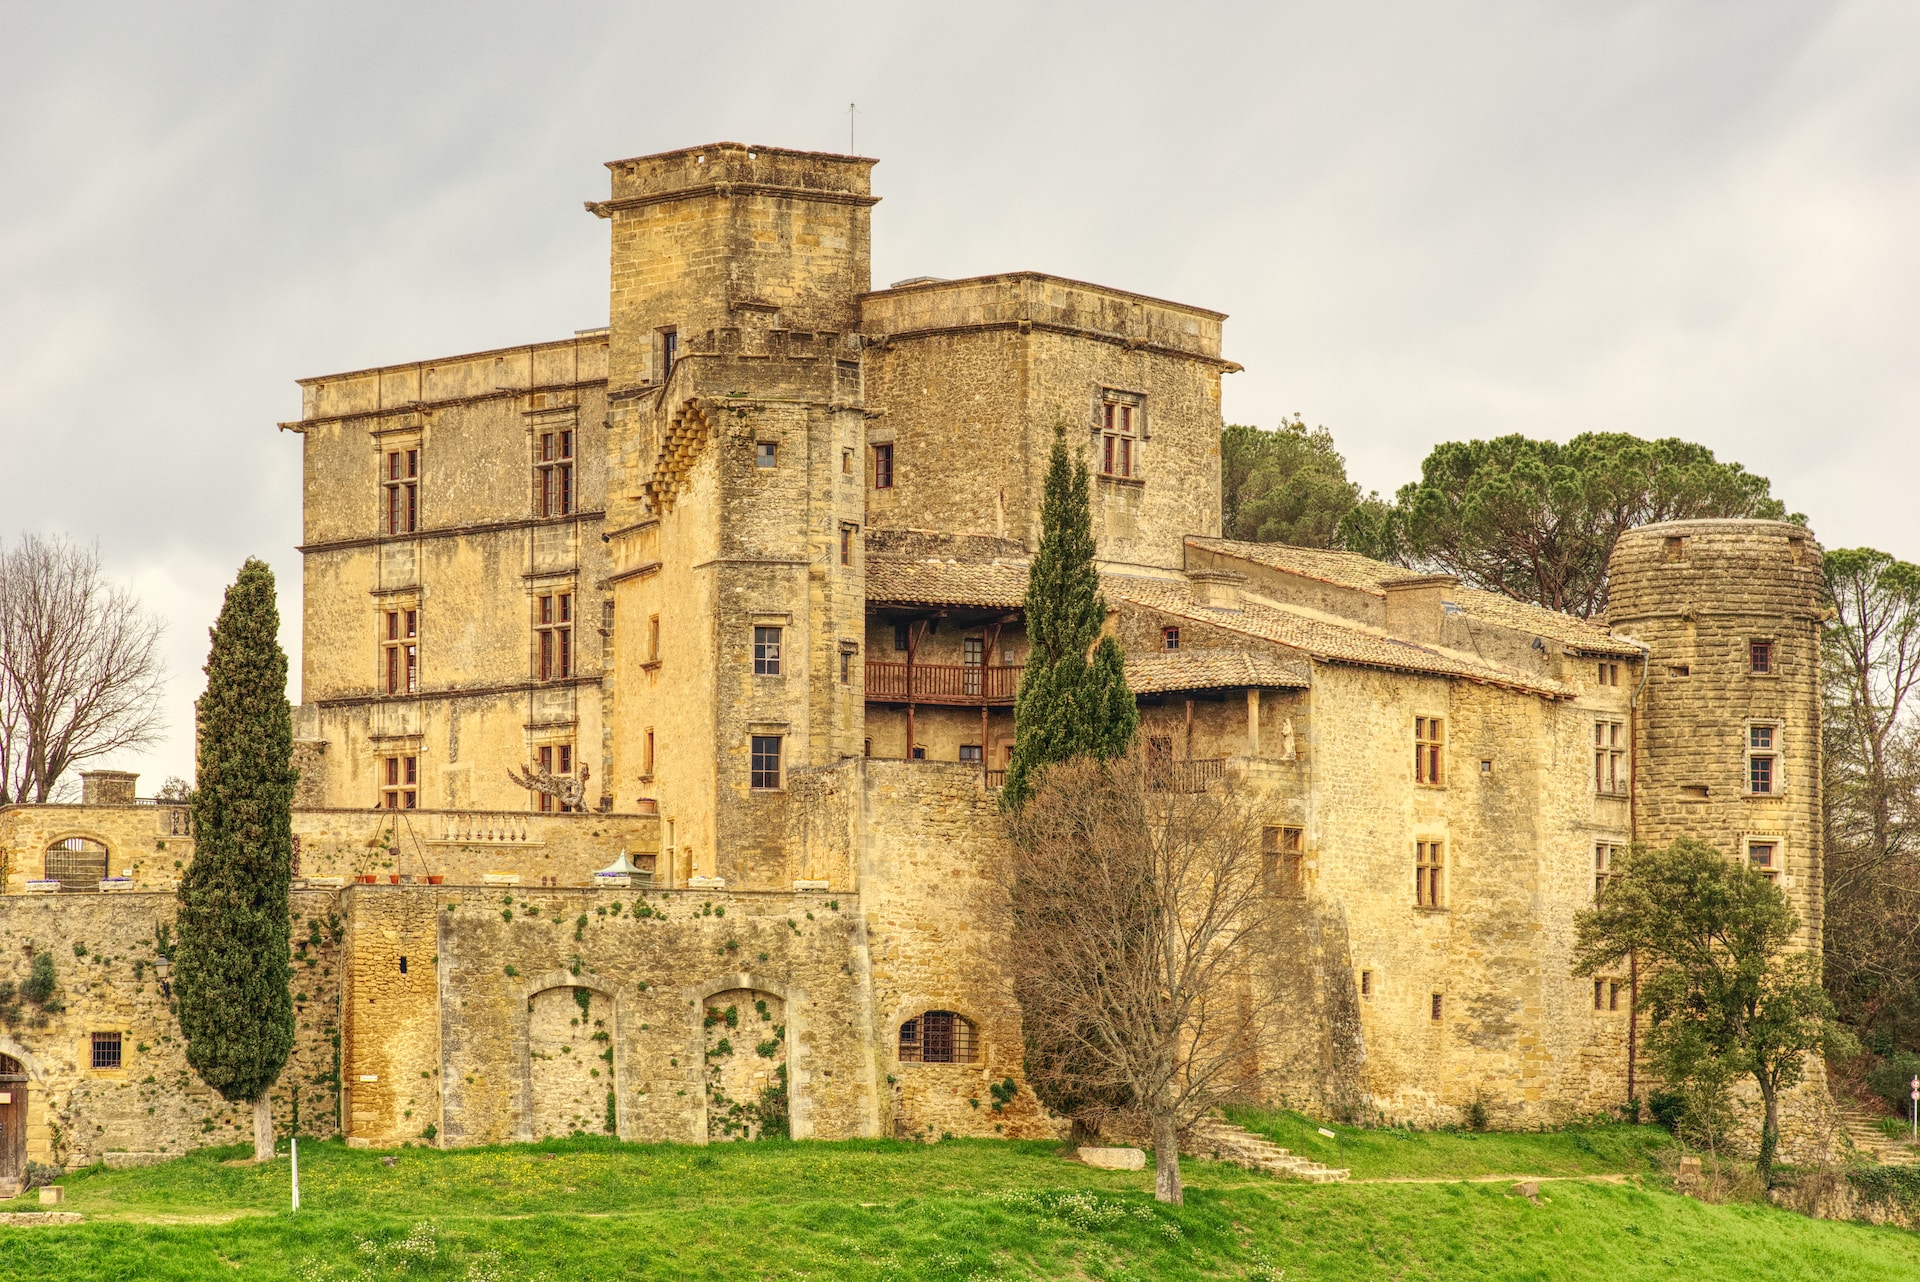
1604, 855
1606, 994
1283, 858
400, 482
1760, 658
1610, 758
1122, 417
553, 473
653, 638
938, 1037
646, 755
766, 454
556, 759
847, 534
553, 636
400, 652
1429, 751
1763, 759
1764, 857
399, 783
1609, 674
883, 466
1429, 874
764, 763
106, 1050
766, 651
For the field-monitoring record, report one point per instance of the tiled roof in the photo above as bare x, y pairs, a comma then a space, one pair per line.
1213, 670
1363, 574
990, 584
1326, 639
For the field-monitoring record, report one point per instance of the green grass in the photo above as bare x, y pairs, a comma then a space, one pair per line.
1388, 1154
590, 1208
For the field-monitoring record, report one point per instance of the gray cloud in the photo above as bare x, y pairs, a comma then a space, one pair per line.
1429, 222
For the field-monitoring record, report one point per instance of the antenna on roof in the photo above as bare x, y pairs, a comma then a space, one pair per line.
851, 150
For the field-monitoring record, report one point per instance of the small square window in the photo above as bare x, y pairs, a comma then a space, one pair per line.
765, 774
766, 454
1764, 858
106, 1050
1170, 638
1760, 656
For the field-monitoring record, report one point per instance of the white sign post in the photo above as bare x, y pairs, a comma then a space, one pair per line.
296, 1174
1913, 1093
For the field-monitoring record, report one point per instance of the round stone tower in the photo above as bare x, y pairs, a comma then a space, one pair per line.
1726, 725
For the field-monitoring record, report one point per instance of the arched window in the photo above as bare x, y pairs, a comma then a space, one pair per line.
76, 863
937, 1037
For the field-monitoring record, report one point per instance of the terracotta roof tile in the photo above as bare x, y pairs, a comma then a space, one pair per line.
1213, 670
991, 584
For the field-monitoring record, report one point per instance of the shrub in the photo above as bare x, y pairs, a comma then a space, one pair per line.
1667, 1109
1889, 1080
1887, 1185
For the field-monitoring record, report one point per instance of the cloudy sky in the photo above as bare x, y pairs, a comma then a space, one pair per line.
1428, 221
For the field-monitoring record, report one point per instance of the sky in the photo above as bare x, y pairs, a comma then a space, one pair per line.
1428, 222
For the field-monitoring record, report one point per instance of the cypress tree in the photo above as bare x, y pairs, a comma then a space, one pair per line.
230, 964
1073, 698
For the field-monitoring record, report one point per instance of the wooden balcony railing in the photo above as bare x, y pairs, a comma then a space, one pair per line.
1194, 775
952, 683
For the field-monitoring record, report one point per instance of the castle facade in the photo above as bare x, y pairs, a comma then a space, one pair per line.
734, 586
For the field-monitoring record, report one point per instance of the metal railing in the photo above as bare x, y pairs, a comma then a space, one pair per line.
969, 683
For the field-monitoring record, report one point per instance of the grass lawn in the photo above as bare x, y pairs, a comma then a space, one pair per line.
1390, 1154
593, 1208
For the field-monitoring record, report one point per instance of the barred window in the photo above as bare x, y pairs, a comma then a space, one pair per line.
937, 1037
401, 482
1429, 872
106, 1050
1609, 757
553, 475
765, 764
1429, 747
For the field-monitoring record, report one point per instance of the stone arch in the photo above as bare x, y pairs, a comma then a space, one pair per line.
745, 1039
939, 1027
570, 1069
72, 856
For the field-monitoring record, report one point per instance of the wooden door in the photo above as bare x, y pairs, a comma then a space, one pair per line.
13, 1122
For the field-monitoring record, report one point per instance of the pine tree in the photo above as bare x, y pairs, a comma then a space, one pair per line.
1069, 705
230, 965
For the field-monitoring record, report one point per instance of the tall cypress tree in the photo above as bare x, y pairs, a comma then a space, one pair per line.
1073, 699
230, 965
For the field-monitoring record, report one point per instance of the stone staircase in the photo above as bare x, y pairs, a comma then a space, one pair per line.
1862, 1130
1221, 1140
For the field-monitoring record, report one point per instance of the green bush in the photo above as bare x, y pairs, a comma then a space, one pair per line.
39, 986
1667, 1108
1889, 1081
1888, 1185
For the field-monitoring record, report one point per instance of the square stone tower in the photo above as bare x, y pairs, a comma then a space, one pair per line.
736, 423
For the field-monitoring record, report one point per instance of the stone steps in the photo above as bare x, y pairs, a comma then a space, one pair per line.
1222, 1141
1862, 1130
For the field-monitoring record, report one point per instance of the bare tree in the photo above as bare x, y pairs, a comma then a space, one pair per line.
1136, 914
80, 666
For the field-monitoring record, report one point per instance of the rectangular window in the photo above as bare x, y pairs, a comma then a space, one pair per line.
1763, 761
553, 629
1283, 856
106, 1050
1170, 638
1609, 757
653, 638
766, 454
1429, 873
1760, 656
400, 650
1438, 1007
555, 759
970, 754
900, 637
1604, 853
1764, 858
1366, 983
553, 474
883, 466
766, 762
766, 652
1429, 745
402, 487
1118, 438
846, 667
846, 544
646, 755
669, 349
1609, 674
400, 783
1606, 994
846, 462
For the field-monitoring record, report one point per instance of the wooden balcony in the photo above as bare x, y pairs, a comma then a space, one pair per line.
965, 685
1189, 775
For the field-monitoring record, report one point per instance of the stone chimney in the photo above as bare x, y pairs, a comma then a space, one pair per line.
107, 787
1216, 589
1416, 605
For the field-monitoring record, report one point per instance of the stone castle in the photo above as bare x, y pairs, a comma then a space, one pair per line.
734, 586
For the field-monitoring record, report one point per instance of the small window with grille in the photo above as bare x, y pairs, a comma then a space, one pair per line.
937, 1037
106, 1050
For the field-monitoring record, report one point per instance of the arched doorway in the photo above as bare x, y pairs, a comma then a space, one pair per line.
570, 1062
13, 1122
746, 1065
77, 863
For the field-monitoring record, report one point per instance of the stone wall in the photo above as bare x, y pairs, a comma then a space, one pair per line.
105, 954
